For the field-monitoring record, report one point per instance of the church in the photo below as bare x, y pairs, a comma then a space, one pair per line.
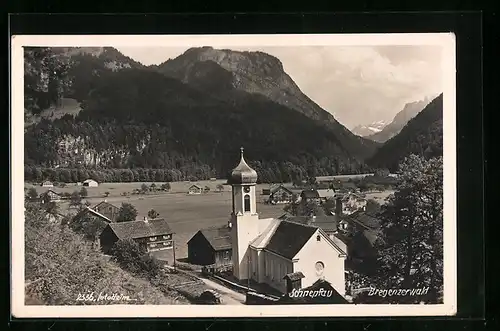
283, 254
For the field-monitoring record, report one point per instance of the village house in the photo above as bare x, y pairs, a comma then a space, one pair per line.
353, 202
92, 215
310, 195
326, 194
150, 234
47, 184
266, 250
280, 195
107, 209
195, 189
51, 196
211, 247
90, 183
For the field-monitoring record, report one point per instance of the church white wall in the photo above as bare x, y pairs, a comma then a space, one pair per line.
314, 251
275, 268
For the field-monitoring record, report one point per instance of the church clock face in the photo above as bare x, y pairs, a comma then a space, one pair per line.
246, 189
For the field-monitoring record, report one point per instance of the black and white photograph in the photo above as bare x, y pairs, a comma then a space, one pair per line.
279, 175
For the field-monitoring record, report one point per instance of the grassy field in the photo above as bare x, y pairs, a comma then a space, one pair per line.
185, 213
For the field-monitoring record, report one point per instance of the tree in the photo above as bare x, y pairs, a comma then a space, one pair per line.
126, 213
106, 194
152, 187
52, 208
153, 214
411, 240
45, 197
220, 187
75, 199
83, 192
329, 206
372, 206
144, 188
32, 193
165, 187
133, 258
206, 189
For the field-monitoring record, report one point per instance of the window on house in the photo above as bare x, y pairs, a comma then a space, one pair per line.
318, 238
247, 203
153, 245
152, 238
166, 237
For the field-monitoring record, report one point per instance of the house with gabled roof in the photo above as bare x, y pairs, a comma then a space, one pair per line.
107, 209
280, 195
150, 234
211, 247
195, 189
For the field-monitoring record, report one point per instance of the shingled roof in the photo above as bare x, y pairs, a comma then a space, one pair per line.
289, 238
310, 194
219, 238
367, 220
140, 229
326, 223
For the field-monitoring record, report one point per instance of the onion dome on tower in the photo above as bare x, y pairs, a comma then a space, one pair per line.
243, 174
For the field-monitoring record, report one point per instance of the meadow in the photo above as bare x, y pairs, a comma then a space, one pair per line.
186, 214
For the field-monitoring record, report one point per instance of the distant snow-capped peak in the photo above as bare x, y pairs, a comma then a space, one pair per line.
368, 129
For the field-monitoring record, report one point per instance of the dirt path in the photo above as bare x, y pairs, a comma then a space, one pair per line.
229, 297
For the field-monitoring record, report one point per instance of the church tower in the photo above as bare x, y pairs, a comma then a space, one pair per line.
244, 218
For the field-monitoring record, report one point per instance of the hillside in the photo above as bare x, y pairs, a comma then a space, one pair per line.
58, 267
142, 119
409, 111
131, 116
423, 135
223, 71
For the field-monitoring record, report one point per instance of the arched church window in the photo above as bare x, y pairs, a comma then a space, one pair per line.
320, 267
247, 202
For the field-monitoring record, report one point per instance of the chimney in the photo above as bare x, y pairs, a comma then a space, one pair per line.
338, 206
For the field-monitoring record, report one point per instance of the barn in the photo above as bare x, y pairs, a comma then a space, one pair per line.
90, 183
211, 247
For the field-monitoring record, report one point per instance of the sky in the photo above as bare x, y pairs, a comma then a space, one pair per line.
357, 84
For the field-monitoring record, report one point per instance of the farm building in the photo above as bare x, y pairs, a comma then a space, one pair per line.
280, 195
91, 214
90, 183
107, 209
47, 184
151, 234
265, 250
195, 189
212, 247
51, 195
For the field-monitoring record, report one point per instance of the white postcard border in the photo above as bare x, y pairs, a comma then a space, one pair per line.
449, 307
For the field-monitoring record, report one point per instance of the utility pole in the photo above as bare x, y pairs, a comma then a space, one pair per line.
173, 248
248, 271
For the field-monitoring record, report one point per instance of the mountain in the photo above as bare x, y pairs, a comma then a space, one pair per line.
409, 111
369, 129
225, 74
135, 117
422, 135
